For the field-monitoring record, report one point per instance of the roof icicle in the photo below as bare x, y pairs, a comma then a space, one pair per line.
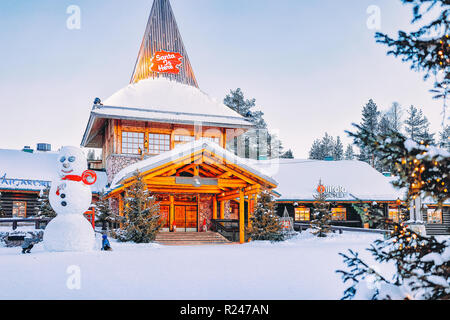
162, 34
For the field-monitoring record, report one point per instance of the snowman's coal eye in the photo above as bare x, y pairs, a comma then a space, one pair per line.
62, 159
72, 159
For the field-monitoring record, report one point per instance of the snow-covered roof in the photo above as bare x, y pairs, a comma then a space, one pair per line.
21, 170
184, 150
348, 180
162, 100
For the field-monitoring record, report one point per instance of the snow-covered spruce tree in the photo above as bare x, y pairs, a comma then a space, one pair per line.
426, 48
142, 214
103, 210
45, 209
444, 138
349, 153
288, 155
325, 147
394, 115
338, 150
417, 126
321, 214
422, 263
265, 223
370, 118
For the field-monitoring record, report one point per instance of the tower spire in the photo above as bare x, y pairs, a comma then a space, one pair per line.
162, 52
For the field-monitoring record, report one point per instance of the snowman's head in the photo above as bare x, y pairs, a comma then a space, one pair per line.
71, 161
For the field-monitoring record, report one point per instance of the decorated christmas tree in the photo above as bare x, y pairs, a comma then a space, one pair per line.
422, 263
142, 219
321, 215
103, 210
265, 223
45, 209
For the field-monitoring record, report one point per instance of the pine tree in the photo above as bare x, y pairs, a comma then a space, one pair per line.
444, 138
103, 210
370, 115
288, 155
422, 263
349, 154
142, 214
45, 209
316, 151
395, 115
236, 101
417, 125
321, 216
338, 150
385, 125
427, 48
265, 223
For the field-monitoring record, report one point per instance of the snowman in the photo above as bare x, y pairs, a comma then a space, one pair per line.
70, 196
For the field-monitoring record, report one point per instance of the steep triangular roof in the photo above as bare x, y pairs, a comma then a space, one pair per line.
162, 34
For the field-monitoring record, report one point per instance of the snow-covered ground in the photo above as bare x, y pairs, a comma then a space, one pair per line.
300, 268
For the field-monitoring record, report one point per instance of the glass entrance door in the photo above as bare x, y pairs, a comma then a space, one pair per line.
186, 218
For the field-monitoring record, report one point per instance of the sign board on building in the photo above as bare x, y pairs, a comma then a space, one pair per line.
166, 62
23, 183
335, 192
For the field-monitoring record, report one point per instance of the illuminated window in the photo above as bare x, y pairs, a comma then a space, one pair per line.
434, 216
179, 139
339, 214
158, 143
212, 139
132, 142
394, 215
19, 209
302, 214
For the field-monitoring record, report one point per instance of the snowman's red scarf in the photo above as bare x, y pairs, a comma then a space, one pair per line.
84, 177
88, 174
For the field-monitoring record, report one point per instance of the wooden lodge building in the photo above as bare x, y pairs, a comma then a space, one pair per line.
177, 136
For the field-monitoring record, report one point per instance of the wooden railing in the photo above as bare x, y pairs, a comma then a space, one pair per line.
303, 226
227, 228
38, 222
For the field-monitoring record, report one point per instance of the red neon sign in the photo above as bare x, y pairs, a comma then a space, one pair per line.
166, 62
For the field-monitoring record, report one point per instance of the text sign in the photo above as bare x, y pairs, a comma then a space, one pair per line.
166, 62
333, 191
17, 183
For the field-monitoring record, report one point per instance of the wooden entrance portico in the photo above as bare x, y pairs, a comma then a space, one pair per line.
193, 171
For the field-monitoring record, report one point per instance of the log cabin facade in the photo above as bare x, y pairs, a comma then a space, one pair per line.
176, 136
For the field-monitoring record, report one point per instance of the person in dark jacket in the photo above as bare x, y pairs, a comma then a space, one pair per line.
105, 243
28, 244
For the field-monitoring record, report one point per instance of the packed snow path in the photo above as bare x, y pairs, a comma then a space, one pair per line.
301, 268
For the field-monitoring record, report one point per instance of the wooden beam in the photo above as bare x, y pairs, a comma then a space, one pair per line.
214, 207
222, 209
225, 168
171, 212
241, 217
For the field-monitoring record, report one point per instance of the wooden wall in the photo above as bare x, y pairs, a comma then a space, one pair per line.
438, 229
112, 142
8, 198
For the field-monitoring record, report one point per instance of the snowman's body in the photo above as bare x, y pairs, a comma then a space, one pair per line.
70, 197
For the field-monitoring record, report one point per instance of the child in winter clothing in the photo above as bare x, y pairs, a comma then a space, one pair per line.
105, 243
28, 244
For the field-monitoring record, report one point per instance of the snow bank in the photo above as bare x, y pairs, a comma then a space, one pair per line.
301, 268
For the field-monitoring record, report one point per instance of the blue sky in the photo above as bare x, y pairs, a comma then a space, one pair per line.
311, 65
